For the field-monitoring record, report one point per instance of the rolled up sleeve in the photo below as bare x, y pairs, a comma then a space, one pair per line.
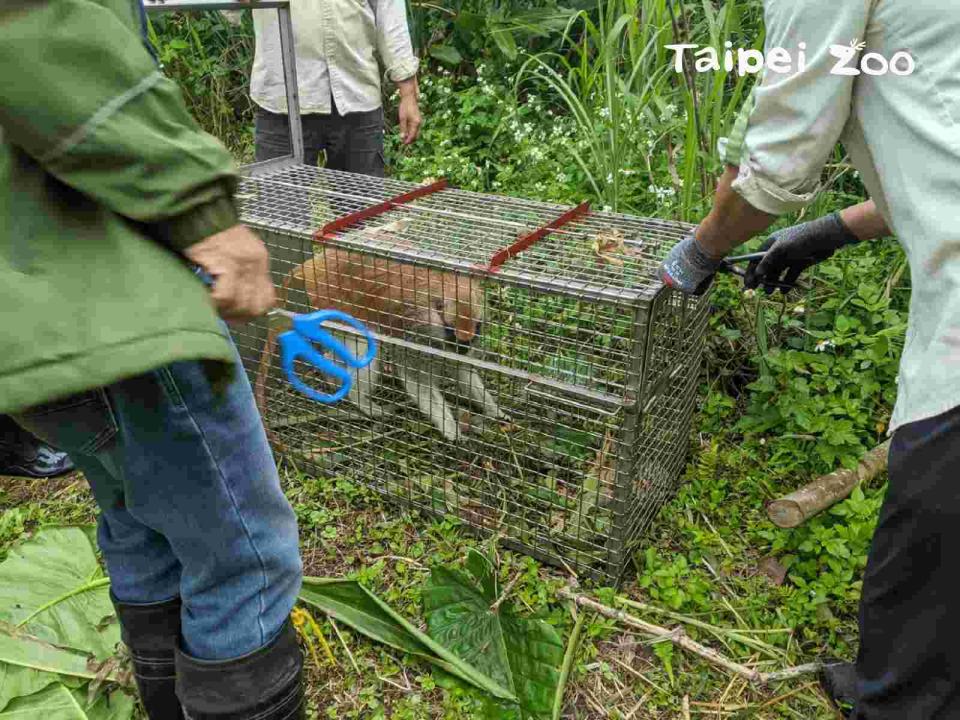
393, 40
797, 117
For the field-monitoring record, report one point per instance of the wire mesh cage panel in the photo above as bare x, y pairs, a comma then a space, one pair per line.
535, 379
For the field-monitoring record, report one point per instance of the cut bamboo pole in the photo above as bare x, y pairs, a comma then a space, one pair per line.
824, 492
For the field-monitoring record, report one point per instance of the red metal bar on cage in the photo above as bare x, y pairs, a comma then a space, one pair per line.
525, 241
330, 230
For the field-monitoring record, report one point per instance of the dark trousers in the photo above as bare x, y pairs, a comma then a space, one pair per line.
909, 662
352, 143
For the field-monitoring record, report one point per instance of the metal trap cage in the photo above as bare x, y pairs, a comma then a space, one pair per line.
536, 380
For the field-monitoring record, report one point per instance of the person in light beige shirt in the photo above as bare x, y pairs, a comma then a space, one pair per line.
882, 77
343, 48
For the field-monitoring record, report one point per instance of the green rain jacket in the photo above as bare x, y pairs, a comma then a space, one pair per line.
104, 180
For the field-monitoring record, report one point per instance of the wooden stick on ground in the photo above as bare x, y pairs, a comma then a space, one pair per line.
801, 505
678, 637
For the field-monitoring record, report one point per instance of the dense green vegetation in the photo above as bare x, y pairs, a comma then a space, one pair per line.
564, 102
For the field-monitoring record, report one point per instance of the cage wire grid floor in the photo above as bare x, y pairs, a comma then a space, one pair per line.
535, 380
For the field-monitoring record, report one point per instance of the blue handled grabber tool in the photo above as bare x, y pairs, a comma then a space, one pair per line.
302, 342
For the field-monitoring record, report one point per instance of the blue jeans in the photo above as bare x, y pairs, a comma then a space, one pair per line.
190, 502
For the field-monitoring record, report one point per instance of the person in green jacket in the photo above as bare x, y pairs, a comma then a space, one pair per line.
111, 197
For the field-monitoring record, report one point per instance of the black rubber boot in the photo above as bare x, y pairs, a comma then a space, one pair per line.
838, 680
151, 633
267, 684
23, 455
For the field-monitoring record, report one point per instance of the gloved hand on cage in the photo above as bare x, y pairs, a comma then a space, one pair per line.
689, 268
792, 250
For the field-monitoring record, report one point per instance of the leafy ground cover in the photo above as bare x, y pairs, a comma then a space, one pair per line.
792, 387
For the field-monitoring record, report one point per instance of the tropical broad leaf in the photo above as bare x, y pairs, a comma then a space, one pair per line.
446, 54
522, 654
117, 705
24, 651
52, 703
350, 603
52, 587
18, 681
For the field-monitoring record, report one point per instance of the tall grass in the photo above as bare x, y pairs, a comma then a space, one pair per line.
616, 76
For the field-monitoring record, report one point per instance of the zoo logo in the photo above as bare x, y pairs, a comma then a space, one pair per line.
901, 63
779, 60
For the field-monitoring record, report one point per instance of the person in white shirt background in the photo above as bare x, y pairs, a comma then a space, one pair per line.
342, 48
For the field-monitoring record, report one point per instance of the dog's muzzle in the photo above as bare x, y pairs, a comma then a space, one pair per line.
462, 348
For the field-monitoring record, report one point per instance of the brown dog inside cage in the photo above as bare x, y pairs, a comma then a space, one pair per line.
546, 400
436, 309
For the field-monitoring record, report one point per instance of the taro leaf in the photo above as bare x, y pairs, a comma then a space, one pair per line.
17, 681
352, 604
481, 567
52, 703
22, 651
17, 648
523, 654
118, 705
53, 588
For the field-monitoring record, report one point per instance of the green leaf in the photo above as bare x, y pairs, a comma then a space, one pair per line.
17, 648
18, 681
481, 567
523, 654
52, 587
52, 703
506, 42
446, 54
352, 604
118, 705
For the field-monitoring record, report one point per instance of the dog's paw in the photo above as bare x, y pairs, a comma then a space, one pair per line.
452, 430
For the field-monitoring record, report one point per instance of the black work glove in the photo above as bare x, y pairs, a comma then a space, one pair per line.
792, 250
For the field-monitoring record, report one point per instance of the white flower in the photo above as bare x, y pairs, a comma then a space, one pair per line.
662, 193
605, 112
799, 310
824, 345
610, 179
561, 177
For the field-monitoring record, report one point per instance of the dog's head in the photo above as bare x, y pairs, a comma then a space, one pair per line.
453, 312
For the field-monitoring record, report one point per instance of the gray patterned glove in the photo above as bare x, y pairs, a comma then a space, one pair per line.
792, 250
688, 268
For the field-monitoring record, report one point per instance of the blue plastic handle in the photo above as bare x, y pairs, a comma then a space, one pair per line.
297, 344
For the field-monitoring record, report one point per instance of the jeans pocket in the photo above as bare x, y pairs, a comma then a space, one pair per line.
170, 387
80, 424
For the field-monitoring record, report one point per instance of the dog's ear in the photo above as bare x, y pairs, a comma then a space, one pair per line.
465, 326
469, 308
